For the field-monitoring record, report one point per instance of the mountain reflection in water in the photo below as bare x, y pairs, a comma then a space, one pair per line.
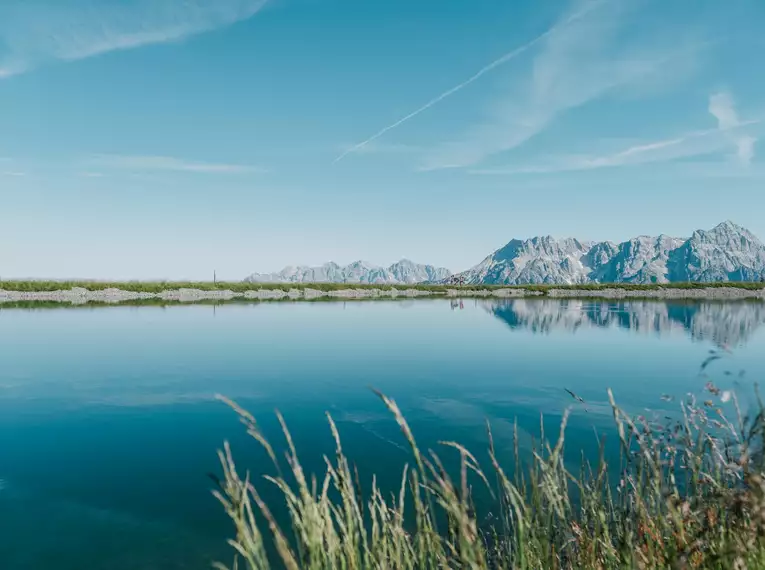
726, 324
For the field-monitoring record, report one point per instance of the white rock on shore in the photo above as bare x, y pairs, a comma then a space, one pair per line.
663, 293
79, 296
500, 293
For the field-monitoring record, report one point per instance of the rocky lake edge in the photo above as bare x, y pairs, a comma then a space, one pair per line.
115, 295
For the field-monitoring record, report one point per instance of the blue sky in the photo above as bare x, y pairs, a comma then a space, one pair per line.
168, 138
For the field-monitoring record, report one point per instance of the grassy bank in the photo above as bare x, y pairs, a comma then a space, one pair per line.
241, 287
690, 493
160, 286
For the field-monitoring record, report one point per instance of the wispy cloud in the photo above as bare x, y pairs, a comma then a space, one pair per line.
581, 62
35, 32
509, 56
144, 163
8, 70
731, 131
721, 105
16, 173
386, 148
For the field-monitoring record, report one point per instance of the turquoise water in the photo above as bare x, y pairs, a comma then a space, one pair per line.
108, 423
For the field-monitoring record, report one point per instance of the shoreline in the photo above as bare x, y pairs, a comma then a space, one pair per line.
109, 296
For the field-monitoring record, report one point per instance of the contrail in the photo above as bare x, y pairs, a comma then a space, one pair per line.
496, 63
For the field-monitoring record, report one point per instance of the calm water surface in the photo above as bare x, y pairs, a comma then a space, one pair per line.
108, 423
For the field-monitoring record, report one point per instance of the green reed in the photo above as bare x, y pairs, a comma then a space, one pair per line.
690, 494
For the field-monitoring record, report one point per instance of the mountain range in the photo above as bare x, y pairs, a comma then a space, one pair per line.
727, 252
401, 272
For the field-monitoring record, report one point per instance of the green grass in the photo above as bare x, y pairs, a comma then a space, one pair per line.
241, 287
159, 286
689, 494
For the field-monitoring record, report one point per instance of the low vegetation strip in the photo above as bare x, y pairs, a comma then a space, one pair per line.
688, 494
241, 286
161, 286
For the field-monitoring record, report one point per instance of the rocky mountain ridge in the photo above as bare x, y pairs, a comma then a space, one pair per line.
725, 253
402, 272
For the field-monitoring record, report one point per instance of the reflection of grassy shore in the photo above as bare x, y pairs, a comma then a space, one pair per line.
157, 302
689, 494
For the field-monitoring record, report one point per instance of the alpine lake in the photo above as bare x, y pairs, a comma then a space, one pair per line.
109, 422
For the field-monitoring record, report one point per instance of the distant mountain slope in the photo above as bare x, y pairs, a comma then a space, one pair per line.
725, 253
406, 271
402, 272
